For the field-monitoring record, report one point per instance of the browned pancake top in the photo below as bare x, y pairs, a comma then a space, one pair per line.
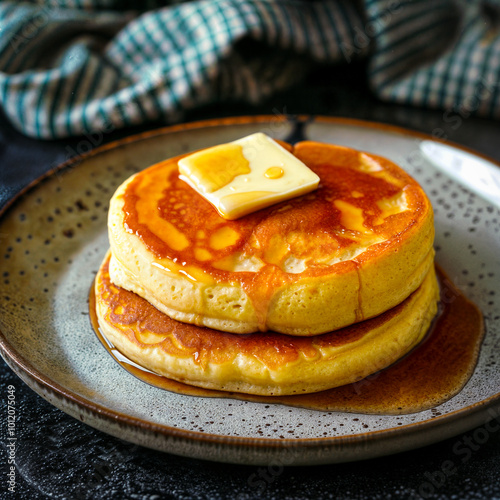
176, 223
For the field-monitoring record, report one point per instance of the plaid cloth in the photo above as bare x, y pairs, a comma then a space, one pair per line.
71, 67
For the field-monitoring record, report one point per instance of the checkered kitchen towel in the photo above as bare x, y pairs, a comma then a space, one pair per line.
69, 67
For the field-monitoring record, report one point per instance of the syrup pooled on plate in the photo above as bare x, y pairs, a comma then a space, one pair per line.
433, 372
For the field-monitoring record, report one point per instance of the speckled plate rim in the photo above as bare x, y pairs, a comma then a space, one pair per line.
307, 451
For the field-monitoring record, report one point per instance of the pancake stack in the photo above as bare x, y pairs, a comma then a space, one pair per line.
310, 293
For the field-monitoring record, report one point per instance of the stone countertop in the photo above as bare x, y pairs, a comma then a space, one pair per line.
60, 457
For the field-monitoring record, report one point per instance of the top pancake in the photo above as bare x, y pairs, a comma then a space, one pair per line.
357, 246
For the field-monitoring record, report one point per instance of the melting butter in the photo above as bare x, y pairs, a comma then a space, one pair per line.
246, 175
274, 172
390, 206
351, 216
223, 237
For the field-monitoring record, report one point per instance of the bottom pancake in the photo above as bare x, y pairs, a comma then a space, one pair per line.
269, 364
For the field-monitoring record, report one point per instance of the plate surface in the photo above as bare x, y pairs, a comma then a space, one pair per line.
53, 237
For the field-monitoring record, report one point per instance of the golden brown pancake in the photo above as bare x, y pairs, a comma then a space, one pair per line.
260, 363
356, 247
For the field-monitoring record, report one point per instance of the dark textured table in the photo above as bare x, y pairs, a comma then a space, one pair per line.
60, 457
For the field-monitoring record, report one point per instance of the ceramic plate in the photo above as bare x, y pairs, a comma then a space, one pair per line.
53, 238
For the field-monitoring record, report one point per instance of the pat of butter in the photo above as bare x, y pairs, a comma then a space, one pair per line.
246, 175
